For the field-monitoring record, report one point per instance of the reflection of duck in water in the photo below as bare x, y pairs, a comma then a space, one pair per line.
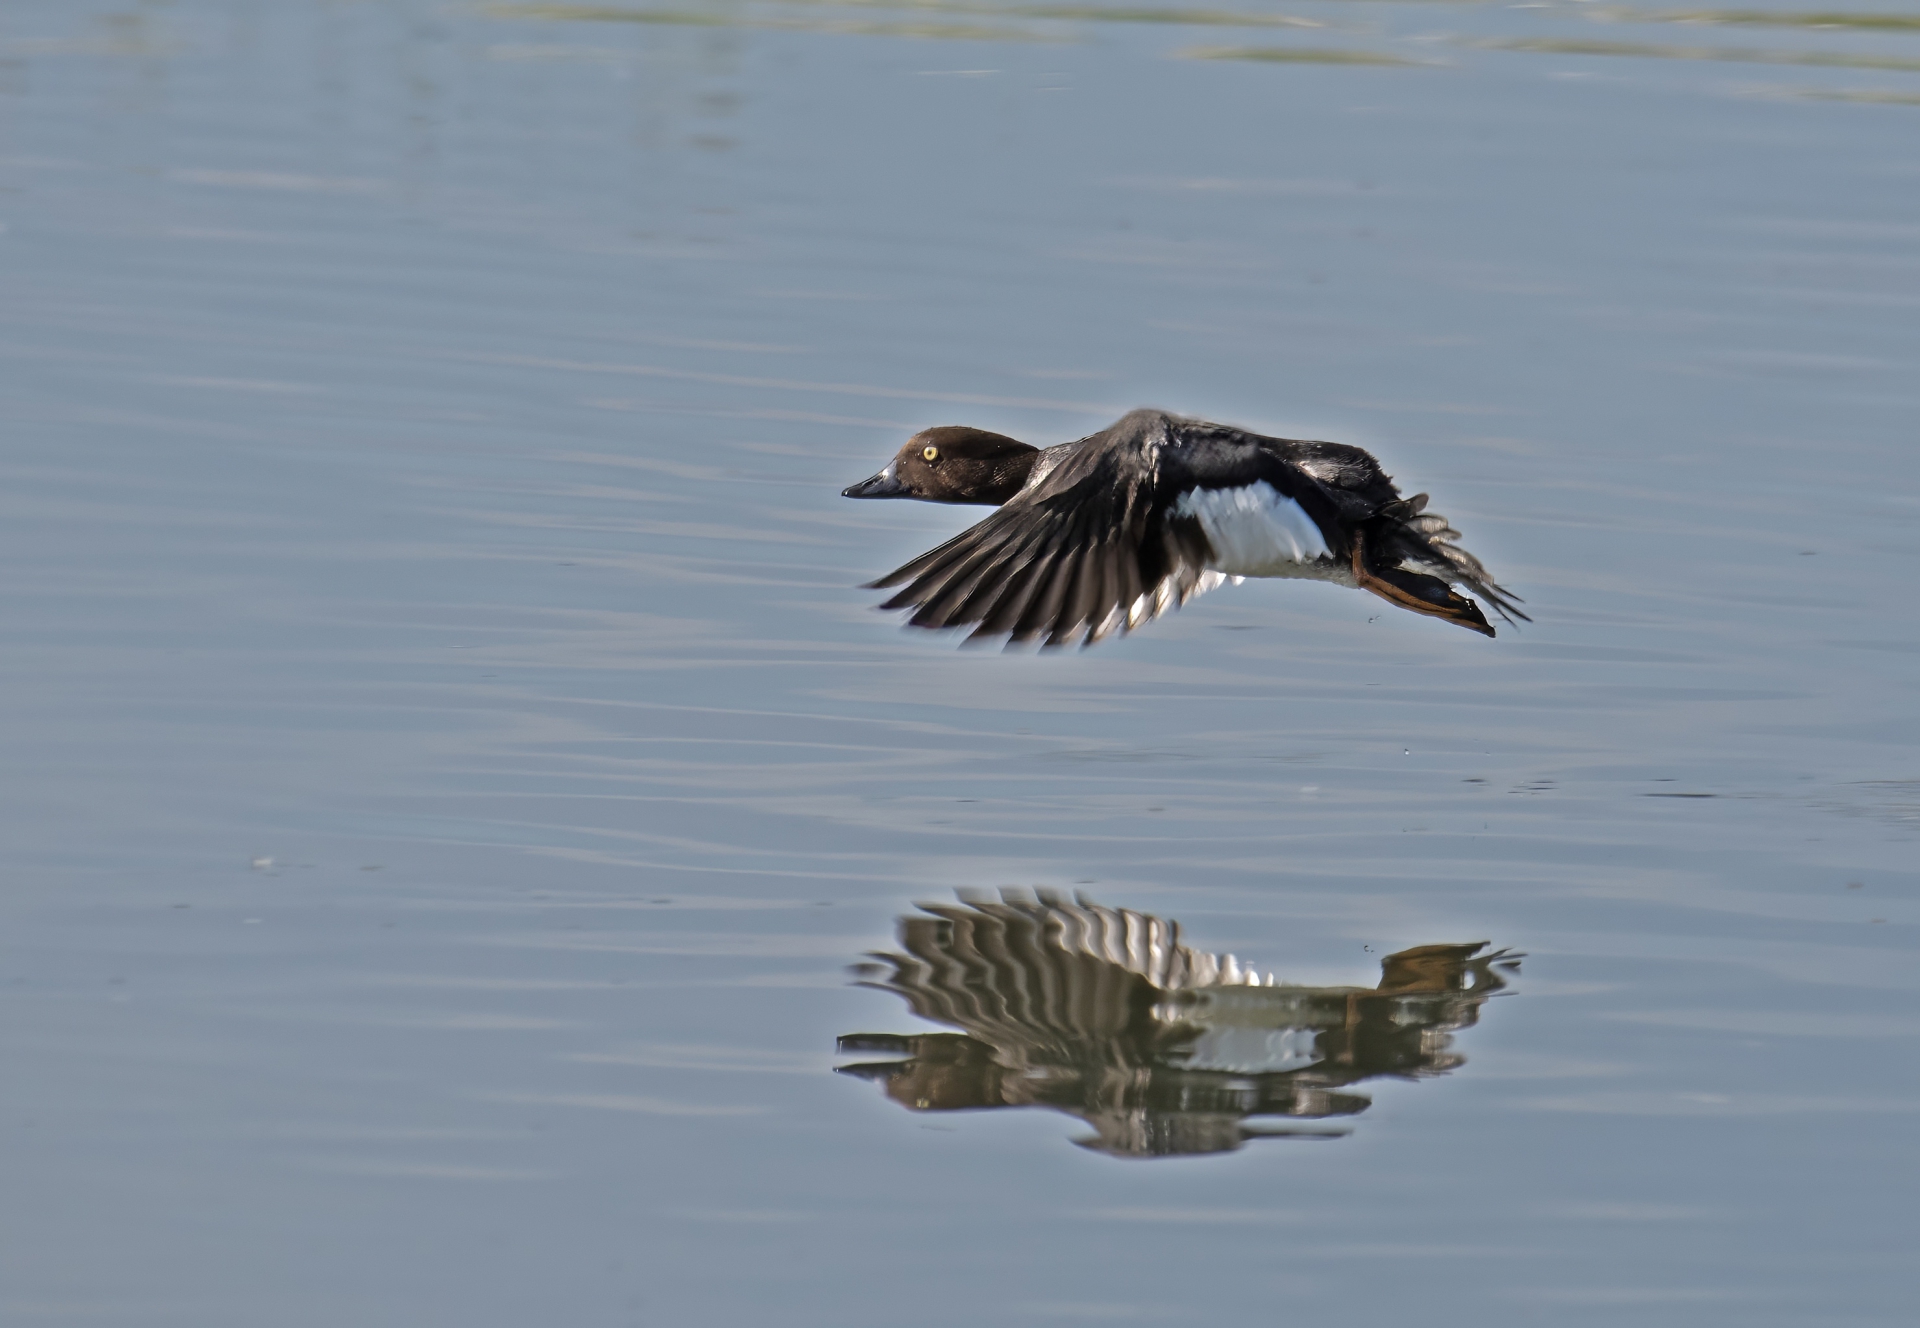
1102, 1013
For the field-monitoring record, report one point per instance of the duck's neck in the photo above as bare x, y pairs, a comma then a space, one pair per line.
1005, 476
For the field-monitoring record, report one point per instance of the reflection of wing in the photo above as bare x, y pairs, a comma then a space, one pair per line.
1163, 1049
1039, 969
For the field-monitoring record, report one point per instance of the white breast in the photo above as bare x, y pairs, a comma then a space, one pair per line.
1254, 531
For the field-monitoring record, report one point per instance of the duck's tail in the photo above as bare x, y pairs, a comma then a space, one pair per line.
1412, 558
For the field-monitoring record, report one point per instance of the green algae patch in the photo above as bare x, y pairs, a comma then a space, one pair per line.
1761, 18
1301, 55
562, 13
1731, 55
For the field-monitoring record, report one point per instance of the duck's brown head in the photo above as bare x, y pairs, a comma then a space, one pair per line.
952, 464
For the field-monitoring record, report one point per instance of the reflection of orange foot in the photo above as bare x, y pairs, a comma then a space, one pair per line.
1411, 590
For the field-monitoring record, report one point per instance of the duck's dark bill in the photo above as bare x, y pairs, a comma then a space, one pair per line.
883, 485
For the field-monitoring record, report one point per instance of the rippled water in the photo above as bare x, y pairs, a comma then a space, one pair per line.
457, 791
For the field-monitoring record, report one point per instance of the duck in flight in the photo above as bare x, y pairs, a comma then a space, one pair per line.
1100, 535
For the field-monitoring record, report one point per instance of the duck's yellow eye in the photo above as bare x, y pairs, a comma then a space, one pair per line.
930, 453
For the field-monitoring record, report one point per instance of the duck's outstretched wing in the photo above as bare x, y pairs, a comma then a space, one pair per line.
1078, 556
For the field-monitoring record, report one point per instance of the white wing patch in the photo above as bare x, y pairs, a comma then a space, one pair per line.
1254, 531
1156, 601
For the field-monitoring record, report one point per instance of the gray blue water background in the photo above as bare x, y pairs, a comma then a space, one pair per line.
451, 766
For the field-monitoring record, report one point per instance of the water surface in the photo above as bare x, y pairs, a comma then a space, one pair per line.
453, 768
